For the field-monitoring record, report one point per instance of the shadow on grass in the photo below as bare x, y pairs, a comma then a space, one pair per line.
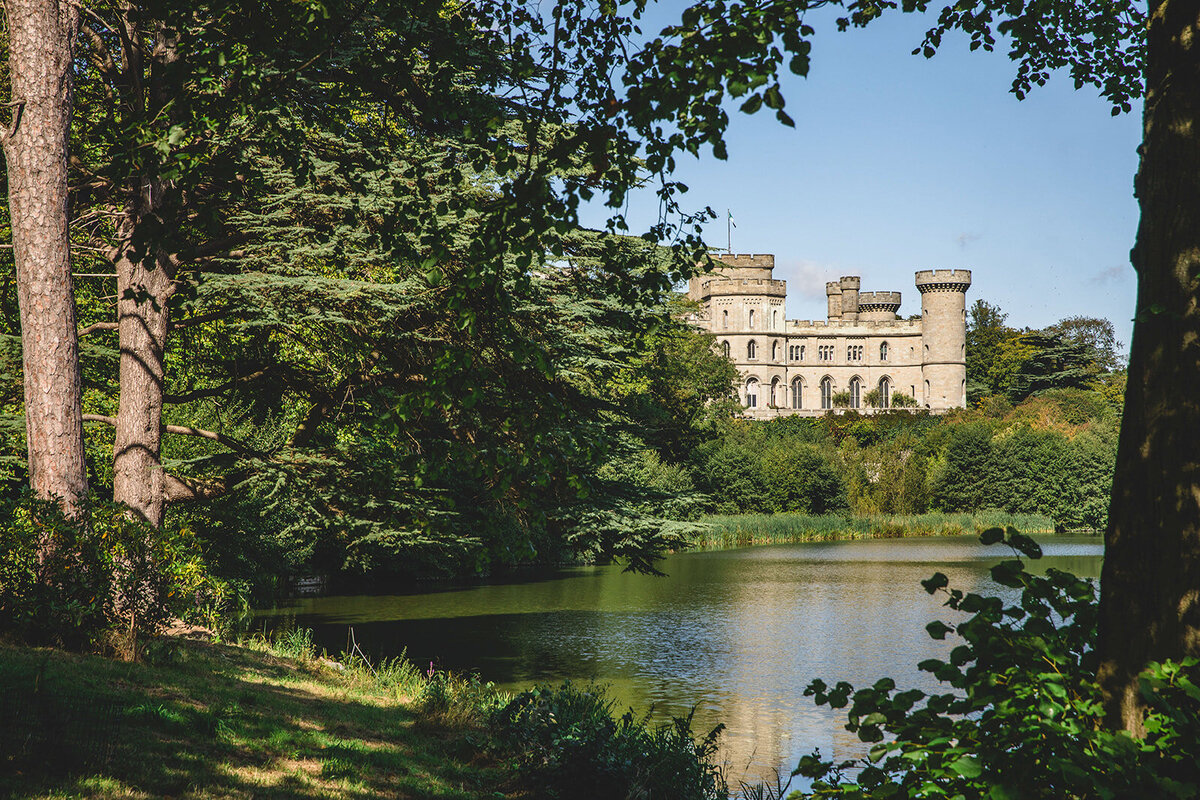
222, 722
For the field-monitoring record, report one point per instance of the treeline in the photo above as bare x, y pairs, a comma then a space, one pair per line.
1039, 437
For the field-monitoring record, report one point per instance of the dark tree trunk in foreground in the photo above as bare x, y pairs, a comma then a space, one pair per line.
1150, 587
41, 34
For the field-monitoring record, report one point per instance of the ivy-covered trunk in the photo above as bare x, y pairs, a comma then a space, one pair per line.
40, 37
1150, 587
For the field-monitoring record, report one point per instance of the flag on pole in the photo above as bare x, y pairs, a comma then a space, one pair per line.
731, 222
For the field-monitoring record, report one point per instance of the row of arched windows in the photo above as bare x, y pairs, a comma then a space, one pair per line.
750, 318
826, 392
796, 352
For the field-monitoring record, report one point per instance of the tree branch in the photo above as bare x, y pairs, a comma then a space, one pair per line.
97, 326
184, 430
213, 391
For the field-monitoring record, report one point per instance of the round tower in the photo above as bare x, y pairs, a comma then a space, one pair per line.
833, 292
944, 337
878, 306
850, 286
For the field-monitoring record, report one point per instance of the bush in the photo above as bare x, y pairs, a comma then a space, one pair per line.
77, 583
571, 746
1022, 714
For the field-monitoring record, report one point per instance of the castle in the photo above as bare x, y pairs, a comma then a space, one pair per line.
863, 349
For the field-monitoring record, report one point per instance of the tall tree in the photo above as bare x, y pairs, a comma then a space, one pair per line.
1150, 586
41, 35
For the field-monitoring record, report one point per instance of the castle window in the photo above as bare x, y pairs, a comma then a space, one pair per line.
751, 350
725, 319
826, 393
774, 351
725, 349
855, 393
926, 392
752, 319
854, 352
797, 394
774, 398
752, 393
774, 320
825, 352
883, 351
885, 392
801, 352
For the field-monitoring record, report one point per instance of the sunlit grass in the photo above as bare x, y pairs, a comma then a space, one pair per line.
743, 530
263, 720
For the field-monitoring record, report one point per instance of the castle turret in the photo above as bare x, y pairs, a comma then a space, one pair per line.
878, 306
944, 336
833, 291
850, 286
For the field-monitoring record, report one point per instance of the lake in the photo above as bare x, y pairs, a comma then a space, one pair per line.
736, 633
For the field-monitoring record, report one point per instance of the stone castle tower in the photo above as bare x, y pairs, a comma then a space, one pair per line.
862, 349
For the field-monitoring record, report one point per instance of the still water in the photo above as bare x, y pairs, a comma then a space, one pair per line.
736, 633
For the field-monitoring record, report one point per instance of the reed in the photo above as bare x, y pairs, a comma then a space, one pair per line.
743, 530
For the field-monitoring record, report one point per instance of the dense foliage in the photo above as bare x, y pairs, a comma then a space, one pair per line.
1051, 455
1021, 714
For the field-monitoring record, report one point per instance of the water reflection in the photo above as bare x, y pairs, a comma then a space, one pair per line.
737, 633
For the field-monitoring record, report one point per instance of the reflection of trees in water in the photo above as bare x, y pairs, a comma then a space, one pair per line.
739, 634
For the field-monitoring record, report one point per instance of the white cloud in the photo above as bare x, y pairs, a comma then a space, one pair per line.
964, 239
806, 279
1110, 274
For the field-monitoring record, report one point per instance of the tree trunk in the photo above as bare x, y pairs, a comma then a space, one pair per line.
1150, 585
41, 36
145, 283
143, 293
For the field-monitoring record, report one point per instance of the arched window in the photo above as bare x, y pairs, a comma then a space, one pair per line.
801, 352
752, 319
826, 393
883, 351
725, 320
885, 392
773, 400
751, 350
855, 393
797, 394
774, 351
774, 320
725, 349
926, 392
752, 393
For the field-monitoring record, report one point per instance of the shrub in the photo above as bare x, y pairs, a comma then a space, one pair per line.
1022, 714
571, 746
75, 583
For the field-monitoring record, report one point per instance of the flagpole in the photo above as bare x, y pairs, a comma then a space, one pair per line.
728, 231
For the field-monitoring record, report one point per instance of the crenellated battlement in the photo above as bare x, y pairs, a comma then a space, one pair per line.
878, 299
747, 260
943, 280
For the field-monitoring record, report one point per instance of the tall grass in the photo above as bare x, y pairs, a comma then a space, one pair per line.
743, 530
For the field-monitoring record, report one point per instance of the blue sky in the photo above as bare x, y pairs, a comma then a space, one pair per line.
901, 163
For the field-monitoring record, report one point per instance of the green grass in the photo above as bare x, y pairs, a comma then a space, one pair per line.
743, 530
218, 721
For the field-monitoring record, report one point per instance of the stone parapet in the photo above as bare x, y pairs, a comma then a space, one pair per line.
943, 280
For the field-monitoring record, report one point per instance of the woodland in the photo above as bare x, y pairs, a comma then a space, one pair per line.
303, 286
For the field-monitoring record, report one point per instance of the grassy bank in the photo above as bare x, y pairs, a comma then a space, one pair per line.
211, 721
205, 720
742, 530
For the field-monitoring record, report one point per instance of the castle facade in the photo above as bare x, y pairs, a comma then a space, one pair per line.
863, 348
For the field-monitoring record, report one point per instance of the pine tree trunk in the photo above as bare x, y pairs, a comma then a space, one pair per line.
145, 284
143, 294
1150, 586
41, 36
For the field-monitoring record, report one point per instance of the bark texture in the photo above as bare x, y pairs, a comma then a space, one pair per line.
145, 283
41, 37
1150, 586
